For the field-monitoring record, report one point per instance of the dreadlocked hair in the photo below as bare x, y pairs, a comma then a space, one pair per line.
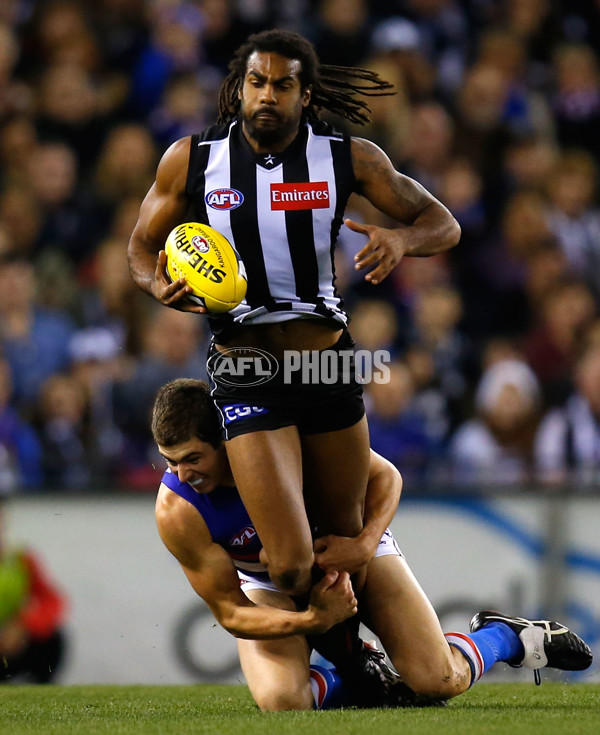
334, 88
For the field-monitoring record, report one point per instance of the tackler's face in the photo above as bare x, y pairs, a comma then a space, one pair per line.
272, 99
199, 464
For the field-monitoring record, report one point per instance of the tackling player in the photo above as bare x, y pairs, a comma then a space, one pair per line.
204, 524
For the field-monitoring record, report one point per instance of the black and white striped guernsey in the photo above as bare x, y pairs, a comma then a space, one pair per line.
282, 212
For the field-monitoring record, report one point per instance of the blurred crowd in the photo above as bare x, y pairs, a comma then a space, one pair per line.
495, 374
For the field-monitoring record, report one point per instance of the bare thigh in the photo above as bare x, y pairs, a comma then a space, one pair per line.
399, 613
277, 672
336, 472
267, 467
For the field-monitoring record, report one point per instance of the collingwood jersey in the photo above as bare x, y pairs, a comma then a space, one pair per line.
282, 212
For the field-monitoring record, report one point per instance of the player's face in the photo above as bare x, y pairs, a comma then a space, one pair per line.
199, 464
272, 100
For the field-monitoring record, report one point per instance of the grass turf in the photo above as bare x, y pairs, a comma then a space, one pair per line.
493, 709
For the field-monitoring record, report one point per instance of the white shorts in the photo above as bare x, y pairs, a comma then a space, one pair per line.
387, 546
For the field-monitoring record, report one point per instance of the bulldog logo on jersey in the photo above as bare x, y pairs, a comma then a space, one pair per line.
224, 199
312, 195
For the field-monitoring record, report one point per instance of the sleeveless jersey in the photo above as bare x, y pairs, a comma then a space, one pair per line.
282, 212
228, 522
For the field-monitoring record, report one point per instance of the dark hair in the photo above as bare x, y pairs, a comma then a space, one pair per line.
183, 409
334, 88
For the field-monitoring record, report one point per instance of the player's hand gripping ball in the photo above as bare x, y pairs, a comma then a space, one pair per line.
210, 265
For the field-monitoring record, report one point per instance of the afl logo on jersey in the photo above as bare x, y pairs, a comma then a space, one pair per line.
200, 244
224, 199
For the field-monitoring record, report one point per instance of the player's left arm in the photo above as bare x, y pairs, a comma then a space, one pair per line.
426, 225
381, 501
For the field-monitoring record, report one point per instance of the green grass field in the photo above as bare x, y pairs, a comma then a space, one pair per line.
490, 709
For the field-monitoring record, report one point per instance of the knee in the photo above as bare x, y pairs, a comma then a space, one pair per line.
292, 575
441, 680
276, 700
293, 579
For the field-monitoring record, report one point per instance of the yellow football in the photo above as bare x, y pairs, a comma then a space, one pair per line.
210, 265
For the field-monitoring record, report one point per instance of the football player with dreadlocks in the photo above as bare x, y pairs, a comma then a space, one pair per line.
275, 179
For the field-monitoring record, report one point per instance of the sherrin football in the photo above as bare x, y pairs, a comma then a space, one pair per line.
210, 265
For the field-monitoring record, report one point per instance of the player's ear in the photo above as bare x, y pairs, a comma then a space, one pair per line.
306, 97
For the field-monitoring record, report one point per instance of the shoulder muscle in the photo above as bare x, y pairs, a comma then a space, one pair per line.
181, 528
172, 169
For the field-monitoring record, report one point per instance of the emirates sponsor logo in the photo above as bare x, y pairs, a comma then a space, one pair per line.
314, 195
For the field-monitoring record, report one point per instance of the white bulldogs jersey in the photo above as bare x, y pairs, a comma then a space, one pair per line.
282, 212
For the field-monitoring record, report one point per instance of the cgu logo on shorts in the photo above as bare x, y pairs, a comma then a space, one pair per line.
313, 195
242, 366
244, 537
224, 199
242, 411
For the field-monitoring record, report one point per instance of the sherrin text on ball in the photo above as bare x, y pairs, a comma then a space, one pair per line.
209, 264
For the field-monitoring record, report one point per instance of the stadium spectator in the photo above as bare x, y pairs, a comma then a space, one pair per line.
553, 342
445, 36
20, 451
341, 33
160, 361
567, 445
397, 428
573, 215
15, 97
186, 108
528, 161
203, 523
268, 108
496, 447
32, 617
172, 47
49, 28
428, 149
576, 97
18, 138
375, 325
70, 112
97, 365
69, 217
223, 29
33, 339
124, 169
21, 219
436, 317
109, 299
481, 133
63, 424
500, 265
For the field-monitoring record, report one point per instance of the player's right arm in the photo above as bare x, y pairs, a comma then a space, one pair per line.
212, 574
163, 208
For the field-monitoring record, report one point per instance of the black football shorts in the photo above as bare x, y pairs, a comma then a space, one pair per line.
317, 391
